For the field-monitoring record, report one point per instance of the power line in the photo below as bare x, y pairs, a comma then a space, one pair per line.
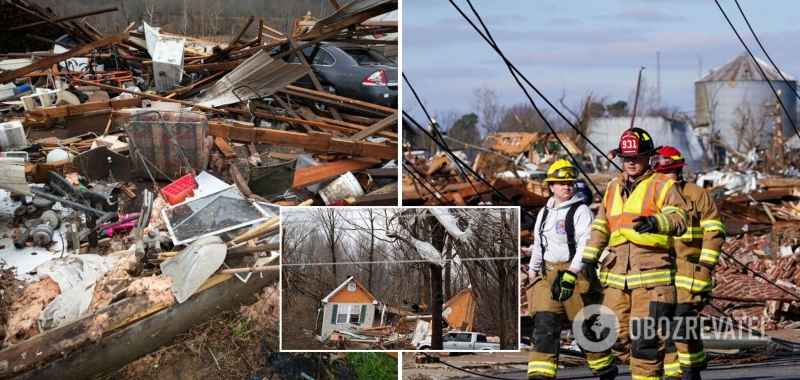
412, 171
764, 50
434, 127
525, 79
511, 69
403, 261
760, 69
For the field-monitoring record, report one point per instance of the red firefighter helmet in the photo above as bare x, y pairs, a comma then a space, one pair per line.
667, 158
634, 142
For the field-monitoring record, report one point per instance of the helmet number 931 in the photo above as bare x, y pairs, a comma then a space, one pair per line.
630, 144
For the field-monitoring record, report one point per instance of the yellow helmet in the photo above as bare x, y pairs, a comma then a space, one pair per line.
561, 170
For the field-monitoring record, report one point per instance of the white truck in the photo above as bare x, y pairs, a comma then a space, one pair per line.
461, 341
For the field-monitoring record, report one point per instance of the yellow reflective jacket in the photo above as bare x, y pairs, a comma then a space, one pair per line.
637, 260
701, 242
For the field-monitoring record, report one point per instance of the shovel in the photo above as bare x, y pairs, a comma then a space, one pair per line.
194, 265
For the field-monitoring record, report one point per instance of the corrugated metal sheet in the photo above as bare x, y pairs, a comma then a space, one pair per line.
260, 71
743, 68
605, 132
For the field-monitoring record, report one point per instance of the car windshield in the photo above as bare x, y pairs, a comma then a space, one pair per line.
366, 56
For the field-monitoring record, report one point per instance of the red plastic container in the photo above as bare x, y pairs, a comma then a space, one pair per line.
177, 191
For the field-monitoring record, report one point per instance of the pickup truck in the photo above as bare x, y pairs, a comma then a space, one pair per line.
462, 341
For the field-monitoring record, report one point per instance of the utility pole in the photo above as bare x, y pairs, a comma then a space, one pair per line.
779, 134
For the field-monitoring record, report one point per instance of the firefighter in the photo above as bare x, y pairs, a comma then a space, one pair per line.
557, 291
697, 252
641, 213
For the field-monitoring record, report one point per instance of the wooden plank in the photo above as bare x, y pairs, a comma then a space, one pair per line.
223, 146
238, 36
79, 109
134, 328
313, 141
320, 173
47, 62
283, 156
373, 200
356, 127
379, 126
312, 74
338, 101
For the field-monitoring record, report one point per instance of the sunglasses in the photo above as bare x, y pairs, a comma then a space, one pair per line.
565, 173
661, 161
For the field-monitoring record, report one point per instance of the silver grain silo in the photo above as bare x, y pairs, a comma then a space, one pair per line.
737, 94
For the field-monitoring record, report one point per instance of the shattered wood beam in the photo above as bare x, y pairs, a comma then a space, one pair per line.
260, 30
379, 126
277, 32
328, 31
239, 35
355, 128
33, 5
311, 74
92, 13
321, 173
338, 101
149, 96
313, 141
48, 62
79, 109
350, 20
373, 200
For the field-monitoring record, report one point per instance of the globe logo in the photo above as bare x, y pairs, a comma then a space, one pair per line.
596, 328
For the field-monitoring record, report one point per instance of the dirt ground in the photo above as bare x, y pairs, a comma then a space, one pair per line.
10, 290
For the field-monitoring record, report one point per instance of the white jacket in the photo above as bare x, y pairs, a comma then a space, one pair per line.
555, 234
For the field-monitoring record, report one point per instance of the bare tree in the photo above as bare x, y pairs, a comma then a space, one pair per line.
490, 112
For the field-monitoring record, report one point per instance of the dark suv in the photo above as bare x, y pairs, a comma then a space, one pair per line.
350, 70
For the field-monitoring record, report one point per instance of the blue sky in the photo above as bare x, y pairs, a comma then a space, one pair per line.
578, 46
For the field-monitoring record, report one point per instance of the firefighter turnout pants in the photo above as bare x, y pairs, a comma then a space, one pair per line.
684, 350
644, 316
548, 316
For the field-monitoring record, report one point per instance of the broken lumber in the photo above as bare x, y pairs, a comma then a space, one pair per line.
50, 61
316, 174
375, 128
313, 141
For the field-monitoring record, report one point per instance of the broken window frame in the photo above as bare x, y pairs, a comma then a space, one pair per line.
264, 211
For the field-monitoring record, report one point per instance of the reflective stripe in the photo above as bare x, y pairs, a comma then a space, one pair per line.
712, 225
690, 359
692, 284
641, 279
591, 253
605, 361
675, 210
612, 278
672, 369
693, 233
542, 367
663, 223
600, 225
709, 255
640, 377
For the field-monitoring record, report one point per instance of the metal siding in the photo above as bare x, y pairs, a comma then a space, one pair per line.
605, 133
724, 100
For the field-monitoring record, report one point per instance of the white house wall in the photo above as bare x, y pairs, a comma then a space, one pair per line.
328, 327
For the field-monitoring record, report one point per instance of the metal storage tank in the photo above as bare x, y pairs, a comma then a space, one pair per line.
739, 88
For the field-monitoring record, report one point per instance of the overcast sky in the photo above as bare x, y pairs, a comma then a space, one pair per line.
579, 46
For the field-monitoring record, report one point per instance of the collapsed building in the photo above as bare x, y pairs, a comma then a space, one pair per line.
143, 172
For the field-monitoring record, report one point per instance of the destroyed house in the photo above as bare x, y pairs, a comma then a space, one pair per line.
350, 305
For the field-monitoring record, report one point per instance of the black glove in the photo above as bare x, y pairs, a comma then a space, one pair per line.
563, 286
589, 270
645, 224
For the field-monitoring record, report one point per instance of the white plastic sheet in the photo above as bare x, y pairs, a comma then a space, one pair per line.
76, 276
450, 224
